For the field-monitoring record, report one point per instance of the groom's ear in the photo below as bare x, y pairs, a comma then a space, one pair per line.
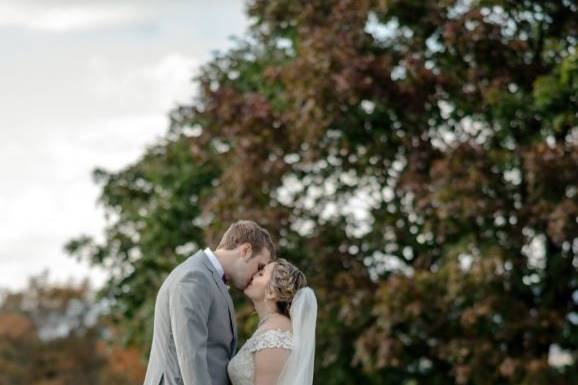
246, 251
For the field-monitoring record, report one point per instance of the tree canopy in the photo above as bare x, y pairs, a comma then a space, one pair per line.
416, 158
54, 334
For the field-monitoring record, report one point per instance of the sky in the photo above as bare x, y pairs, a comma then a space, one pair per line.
87, 84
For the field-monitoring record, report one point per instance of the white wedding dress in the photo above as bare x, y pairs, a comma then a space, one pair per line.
241, 368
300, 341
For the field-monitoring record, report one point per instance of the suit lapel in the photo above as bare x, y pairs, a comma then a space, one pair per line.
230, 305
225, 293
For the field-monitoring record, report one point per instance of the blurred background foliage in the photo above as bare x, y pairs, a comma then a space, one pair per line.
59, 335
416, 158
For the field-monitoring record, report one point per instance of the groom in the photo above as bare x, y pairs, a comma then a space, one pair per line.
195, 334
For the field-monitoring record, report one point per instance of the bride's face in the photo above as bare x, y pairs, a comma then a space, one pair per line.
257, 288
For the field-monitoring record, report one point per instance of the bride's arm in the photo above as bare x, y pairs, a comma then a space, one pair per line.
268, 365
272, 349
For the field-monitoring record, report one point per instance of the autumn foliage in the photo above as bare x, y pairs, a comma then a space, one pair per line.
54, 335
416, 158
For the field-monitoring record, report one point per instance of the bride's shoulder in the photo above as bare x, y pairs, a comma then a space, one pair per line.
274, 333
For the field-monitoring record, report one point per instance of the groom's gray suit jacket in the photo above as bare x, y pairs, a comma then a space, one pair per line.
195, 334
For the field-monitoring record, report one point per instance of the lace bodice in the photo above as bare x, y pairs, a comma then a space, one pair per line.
242, 367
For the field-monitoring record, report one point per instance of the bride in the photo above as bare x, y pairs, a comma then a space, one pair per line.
281, 351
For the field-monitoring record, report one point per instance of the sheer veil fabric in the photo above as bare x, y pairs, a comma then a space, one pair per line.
298, 369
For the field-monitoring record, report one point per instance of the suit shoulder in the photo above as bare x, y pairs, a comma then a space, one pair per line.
194, 275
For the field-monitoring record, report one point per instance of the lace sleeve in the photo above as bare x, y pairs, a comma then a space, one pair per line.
272, 338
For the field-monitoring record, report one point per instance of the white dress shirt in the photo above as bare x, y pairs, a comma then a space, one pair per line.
215, 261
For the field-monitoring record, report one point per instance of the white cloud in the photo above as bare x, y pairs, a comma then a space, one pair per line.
37, 223
52, 197
67, 17
71, 15
56, 199
72, 104
157, 85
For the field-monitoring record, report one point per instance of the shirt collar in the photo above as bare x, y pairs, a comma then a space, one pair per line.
215, 261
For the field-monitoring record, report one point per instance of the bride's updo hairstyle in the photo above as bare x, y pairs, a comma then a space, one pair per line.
286, 280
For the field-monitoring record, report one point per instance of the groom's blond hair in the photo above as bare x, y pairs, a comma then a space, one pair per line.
247, 231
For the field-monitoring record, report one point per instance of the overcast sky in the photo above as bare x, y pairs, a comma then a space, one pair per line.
86, 84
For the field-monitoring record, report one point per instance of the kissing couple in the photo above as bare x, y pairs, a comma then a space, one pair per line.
195, 333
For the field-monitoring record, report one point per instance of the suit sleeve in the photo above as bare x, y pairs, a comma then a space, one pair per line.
189, 306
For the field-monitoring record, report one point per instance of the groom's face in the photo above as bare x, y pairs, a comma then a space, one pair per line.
249, 264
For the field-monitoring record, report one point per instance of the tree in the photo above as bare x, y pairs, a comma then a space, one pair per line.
54, 335
416, 158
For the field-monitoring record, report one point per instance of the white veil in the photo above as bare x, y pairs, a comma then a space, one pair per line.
298, 369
